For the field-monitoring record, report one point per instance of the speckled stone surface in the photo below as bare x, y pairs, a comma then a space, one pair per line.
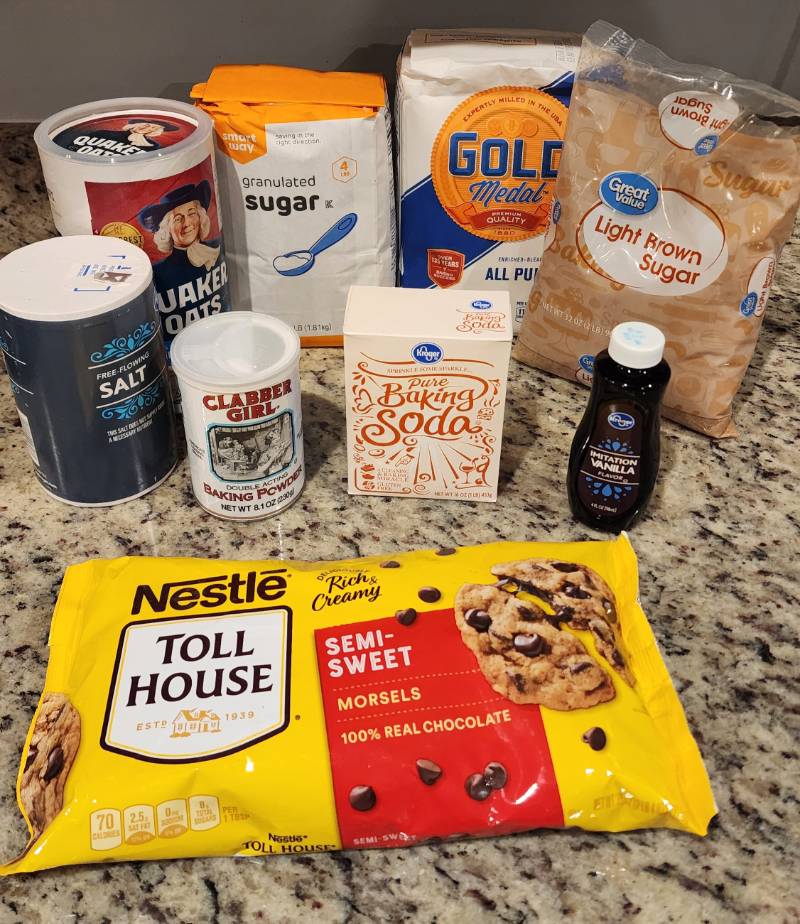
719, 582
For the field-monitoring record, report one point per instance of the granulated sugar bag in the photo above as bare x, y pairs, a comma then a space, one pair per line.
677, 188
305, 170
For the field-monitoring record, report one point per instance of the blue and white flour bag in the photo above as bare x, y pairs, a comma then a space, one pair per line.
142, 171
481, 116
85, 356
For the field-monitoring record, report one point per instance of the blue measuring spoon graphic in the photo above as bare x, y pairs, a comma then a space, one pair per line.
300, 261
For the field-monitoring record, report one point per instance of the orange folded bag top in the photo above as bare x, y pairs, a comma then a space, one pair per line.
306, 181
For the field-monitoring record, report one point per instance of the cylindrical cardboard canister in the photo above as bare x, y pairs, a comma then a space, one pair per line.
240, 386
84, 352
142, 171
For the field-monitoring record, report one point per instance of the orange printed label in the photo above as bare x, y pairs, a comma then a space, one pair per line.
495, 160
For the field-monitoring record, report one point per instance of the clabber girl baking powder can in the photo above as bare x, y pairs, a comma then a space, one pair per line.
240, 387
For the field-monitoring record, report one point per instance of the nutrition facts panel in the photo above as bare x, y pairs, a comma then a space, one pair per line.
142, 823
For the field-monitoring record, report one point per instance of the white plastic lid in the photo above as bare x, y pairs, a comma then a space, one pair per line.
636, 345
234, 350
151, 106
69, 278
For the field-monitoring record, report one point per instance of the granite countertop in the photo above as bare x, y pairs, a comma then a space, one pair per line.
719, 582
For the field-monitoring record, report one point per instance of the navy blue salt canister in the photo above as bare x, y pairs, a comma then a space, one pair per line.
83, 347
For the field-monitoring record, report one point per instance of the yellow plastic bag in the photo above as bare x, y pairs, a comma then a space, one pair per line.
202, 708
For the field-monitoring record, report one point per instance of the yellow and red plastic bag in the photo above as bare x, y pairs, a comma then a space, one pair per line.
206, 708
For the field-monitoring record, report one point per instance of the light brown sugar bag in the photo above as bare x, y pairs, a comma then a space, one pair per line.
677, 188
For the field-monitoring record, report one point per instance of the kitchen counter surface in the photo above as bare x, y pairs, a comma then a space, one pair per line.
719, 582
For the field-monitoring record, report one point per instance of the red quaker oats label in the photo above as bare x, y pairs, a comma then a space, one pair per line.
660, 241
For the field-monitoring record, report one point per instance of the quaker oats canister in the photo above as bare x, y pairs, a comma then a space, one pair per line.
142, 170
83, 348
240, 387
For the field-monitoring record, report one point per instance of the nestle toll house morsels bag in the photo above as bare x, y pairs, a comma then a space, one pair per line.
677, 188
480, 121
305, 171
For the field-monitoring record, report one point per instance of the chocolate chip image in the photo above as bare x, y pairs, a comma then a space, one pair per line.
530, 645
429, 772
595, 738
54, 745
495, 775
581, 667
479, 620
445, 551
429, 594
578, 593
362, 798
565, 567
389, 564
405, 617
610, 610
564, 613
55, 761
477, 787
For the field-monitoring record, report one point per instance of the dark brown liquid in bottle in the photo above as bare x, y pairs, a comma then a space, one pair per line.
613, 464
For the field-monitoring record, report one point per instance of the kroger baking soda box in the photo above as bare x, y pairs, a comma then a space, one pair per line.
480, 121
425, 397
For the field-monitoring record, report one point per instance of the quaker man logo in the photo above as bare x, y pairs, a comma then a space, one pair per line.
190, 688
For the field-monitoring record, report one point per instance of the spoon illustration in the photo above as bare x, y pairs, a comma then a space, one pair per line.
300, 261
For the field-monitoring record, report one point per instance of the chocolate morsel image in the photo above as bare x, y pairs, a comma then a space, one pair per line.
389, 564
405, 617
577, 593
495, 775
429, 772
429, 594
362, 798
446, 551
477, 788
530, 645
565, 567
55, 761
479, 620
595, 738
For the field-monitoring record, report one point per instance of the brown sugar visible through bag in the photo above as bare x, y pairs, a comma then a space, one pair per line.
751, 183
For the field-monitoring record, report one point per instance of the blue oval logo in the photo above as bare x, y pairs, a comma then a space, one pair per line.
427, 353
556, 213
749, 304
620, 421
629, 193
481, 305
706, 145
587, 362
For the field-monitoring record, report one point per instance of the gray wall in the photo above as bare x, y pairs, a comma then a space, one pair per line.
57, 53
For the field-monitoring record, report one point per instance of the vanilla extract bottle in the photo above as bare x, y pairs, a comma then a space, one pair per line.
613, 464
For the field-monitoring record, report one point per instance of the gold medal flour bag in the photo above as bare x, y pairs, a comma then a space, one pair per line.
677, 188
206, 708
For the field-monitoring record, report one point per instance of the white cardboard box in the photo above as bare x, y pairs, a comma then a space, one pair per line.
425, 383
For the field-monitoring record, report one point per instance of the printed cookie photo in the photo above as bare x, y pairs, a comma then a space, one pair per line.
523, 651
54, 744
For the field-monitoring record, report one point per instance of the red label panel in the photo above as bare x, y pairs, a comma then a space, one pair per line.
396, 694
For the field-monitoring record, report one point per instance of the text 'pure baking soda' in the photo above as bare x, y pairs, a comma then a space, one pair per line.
481, 119
425, 398
240, 387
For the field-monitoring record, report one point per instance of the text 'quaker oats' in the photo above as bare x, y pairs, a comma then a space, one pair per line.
677, 188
